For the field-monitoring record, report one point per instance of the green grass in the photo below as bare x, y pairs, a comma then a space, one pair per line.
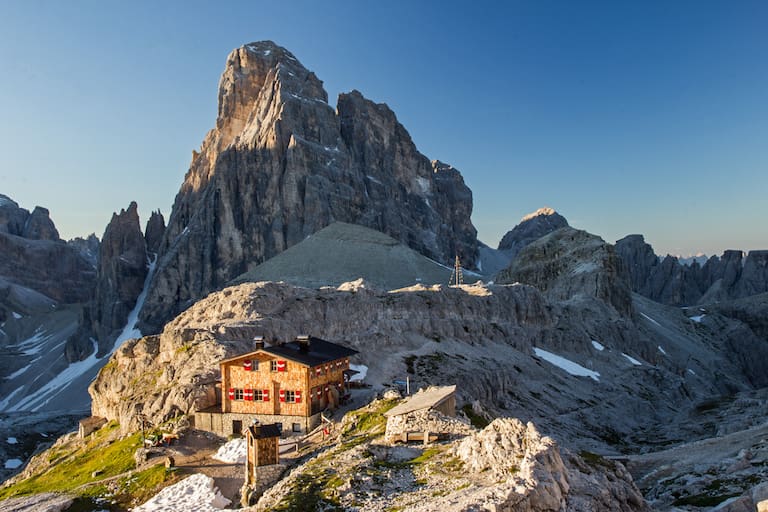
74, 464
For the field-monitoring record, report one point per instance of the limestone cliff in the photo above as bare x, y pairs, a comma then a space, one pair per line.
531, 227
667, 280
569, 264
34, 257
281, 164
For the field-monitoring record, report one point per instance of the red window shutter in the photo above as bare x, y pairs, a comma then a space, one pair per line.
318, 370
282, 395
248, 395
297, 396
281, 366
231, 393
248, 365
265, 395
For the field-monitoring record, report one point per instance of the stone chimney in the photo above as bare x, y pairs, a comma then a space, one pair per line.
259, 342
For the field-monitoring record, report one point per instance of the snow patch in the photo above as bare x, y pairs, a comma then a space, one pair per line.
16, 315
13, 463
662, 350
598, 346
424, 184
233, 452
18, 372
35, 401
584, 267
650, 319
632, 360
697, 318
11, 440
566, 364
691, 371
196, 493
361, 368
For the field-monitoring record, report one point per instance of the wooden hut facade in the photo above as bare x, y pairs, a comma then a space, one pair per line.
287, 384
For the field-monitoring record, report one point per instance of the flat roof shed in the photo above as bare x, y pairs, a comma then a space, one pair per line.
439, 398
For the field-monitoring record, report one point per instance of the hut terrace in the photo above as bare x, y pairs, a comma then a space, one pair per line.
288, 384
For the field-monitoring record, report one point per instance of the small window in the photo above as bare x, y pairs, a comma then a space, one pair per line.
273, 366
290, 396
238, 394
258, 395
297, 427
279, 427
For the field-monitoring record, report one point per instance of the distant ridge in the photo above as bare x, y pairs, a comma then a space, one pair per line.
345, 252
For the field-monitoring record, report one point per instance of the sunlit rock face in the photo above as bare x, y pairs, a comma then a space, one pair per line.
281, 164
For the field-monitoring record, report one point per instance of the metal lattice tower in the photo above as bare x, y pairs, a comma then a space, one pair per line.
457, 276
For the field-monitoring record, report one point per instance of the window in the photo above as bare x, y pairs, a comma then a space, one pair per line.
297, 427
290, 396
273, 366
258, 395
238, 394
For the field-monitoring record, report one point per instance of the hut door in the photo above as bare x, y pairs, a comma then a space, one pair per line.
237, 428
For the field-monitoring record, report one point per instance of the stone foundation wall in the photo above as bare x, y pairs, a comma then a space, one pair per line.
221, 424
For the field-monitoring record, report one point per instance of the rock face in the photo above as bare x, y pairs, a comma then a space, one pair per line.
537, 477
668, 281
282, 164
18, 221
568, 264
531, 227
34, 257
121, 274
153, 233
87, 247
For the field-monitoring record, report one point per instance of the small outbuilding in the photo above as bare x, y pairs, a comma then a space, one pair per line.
262, 445
426, 416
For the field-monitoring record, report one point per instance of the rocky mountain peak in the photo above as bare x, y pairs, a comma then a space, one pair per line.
531, 227
281, 164
15, 220
568, 265
39, 225
121, 273
541, 212
154, 231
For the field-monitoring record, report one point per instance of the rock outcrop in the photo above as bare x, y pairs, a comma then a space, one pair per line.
531, 227
569, 264
668, 281
154, 231
532, 474
34, 257
281, 164
122, 271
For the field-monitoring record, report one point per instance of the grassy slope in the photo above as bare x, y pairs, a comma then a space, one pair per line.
101, 466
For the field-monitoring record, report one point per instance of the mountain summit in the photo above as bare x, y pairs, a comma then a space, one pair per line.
281, 164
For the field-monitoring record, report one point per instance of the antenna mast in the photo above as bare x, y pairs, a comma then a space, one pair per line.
457, 276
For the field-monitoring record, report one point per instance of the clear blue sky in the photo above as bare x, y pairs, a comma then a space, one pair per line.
627, 117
